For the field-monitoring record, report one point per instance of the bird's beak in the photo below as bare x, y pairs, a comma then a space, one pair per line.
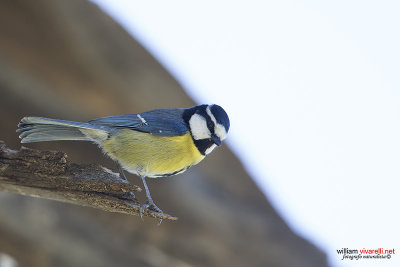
216, 140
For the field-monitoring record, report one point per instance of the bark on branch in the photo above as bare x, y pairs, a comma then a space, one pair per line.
49, 174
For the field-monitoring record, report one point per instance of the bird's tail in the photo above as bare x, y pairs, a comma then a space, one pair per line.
38, 129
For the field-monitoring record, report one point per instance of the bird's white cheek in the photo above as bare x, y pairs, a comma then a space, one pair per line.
210, 149
220, 131
198, 126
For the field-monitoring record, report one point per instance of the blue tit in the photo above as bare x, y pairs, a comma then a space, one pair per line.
156, 143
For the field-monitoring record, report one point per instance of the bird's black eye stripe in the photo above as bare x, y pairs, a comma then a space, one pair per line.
210, 124
200, 110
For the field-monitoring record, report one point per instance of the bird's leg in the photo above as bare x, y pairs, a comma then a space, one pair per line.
122, 171
150, 202
129, 194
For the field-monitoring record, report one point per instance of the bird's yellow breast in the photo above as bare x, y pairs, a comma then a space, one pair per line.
152, 156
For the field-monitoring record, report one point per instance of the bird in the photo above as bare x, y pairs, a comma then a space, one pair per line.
153, 144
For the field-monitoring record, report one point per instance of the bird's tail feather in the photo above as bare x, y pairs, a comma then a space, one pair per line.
38, 129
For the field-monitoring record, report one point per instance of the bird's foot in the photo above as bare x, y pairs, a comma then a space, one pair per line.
151, 206
129, 196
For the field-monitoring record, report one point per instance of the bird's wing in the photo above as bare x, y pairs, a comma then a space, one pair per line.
161, 122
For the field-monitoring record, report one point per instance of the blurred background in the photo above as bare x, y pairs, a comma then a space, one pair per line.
312, 93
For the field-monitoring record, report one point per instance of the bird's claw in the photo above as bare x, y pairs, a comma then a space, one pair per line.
153, 207
129, 195
142, 208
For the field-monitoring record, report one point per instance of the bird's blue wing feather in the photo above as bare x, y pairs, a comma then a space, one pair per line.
161, 122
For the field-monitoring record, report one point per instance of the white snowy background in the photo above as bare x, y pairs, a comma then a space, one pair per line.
313, 92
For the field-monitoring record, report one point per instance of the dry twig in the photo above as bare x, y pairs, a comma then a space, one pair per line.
49, 174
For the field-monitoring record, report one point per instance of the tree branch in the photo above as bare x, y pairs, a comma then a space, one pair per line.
49, 174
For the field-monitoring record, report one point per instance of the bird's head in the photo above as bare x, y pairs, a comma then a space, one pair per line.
208, 124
